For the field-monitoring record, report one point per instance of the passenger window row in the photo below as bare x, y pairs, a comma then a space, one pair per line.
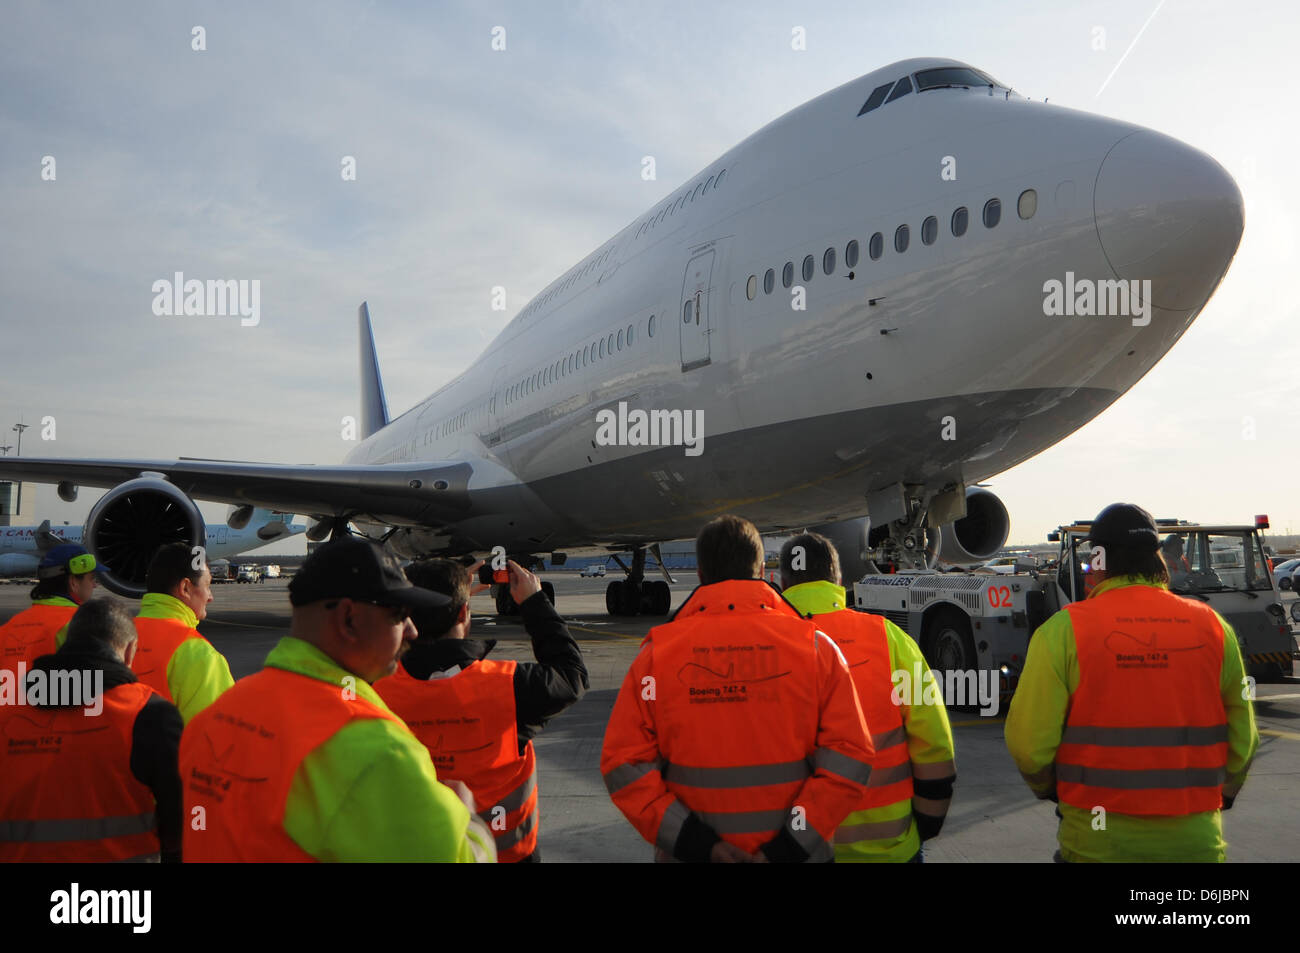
1026, 206
458, 422
573, 362
702, 188
574, 276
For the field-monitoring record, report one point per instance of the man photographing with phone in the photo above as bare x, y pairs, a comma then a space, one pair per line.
478, 716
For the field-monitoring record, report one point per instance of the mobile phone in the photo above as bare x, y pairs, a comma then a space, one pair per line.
487, 575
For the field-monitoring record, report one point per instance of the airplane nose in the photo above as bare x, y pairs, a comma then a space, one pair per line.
1170, 213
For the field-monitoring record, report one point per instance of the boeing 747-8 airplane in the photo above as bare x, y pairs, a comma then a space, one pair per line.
894, 291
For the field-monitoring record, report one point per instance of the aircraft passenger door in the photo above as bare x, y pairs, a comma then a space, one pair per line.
693, 315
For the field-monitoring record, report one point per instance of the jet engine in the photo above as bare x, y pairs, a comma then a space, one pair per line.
131, 521
980, 533
850, 539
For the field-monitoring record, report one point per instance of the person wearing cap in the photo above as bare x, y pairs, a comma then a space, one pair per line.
303, 761
89, 761
477, 715
1133, 712
66, 576
174, 659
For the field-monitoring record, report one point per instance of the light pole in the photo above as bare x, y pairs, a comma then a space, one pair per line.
20, 427
4, 451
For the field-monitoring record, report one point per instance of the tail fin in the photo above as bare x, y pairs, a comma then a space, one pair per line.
374, 408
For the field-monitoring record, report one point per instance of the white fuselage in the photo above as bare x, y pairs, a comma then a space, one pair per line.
807, 410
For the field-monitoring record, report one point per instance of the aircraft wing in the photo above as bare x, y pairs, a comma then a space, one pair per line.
424, 492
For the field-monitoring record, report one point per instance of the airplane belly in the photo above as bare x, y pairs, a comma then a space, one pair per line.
815, 470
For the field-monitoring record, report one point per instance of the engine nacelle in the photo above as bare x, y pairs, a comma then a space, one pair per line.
979, 534
131, 521
850, 539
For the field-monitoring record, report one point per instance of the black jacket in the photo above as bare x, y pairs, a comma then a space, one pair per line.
543, 688
155, 737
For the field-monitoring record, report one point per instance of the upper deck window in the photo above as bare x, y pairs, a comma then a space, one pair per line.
949, 76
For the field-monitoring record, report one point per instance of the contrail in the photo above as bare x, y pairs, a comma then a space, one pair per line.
1130, 47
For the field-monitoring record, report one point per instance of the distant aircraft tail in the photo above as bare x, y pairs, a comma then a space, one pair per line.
374, 408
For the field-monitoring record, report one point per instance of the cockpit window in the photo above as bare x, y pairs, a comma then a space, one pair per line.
902, 89
948, 76
876, 98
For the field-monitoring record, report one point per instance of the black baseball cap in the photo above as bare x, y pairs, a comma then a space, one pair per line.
355, 568
1125, 525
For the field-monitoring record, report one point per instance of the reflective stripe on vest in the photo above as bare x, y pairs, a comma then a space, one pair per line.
1146, 732
239, 757
68, 793
468, 723
31, 634
881, 827
736, 718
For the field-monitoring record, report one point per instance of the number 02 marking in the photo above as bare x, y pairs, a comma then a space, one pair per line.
1000, 597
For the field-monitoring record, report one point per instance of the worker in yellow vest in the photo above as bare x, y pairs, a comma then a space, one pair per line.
173, 658
913, 772
65, 579
1133, 711
303, 761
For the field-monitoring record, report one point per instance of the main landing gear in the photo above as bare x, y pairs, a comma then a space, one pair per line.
637, 595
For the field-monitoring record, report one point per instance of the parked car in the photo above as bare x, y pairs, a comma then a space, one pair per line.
1283, 574
595, 569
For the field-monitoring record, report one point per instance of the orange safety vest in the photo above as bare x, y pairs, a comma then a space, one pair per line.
469, 725
861, 637
158, 641
736, 710
1147, 733
240, 754
31, 634
68, 793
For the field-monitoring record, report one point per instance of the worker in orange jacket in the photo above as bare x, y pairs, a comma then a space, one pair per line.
477, 715
88, 767
66, 576
737, 735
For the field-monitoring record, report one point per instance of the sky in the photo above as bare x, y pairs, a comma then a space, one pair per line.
478, 167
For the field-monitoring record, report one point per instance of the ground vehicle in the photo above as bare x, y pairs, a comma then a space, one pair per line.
271, 572
1284, 574
595, 569
1003, 565
965, 621
248, 573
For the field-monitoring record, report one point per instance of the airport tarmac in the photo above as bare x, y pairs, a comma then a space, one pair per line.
993, 815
